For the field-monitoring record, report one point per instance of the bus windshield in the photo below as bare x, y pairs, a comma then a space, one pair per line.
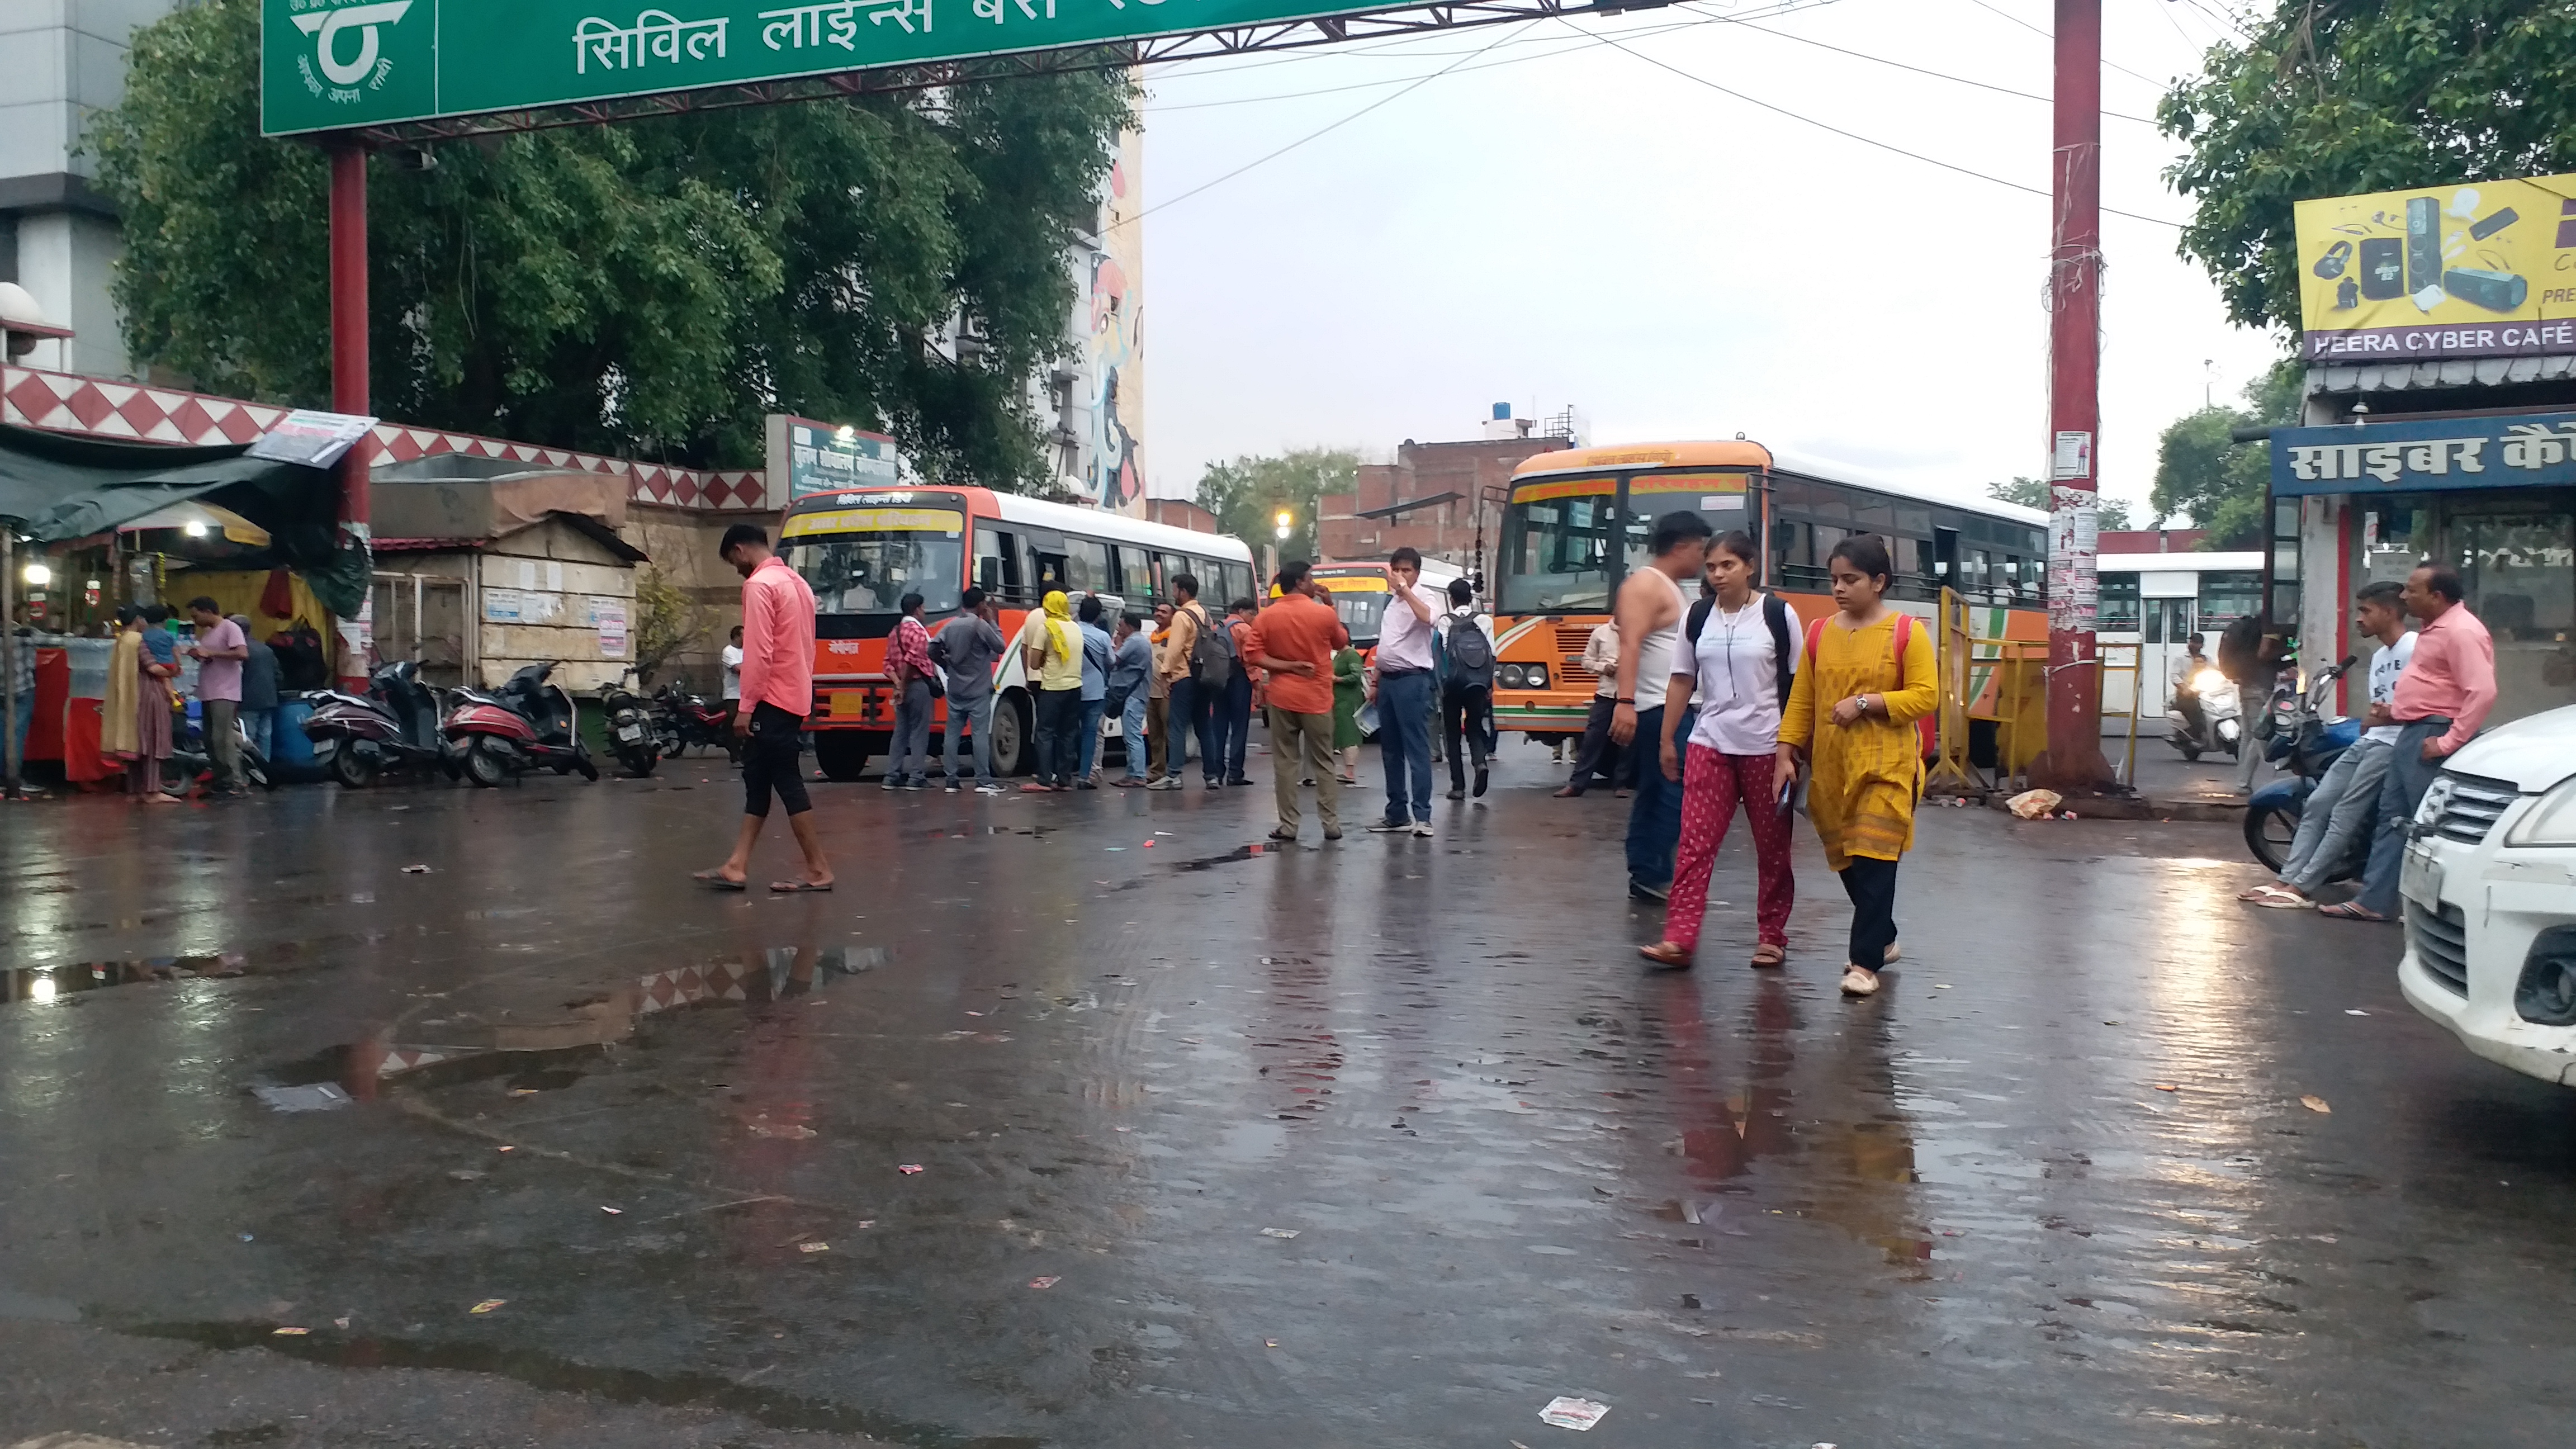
869, 573
1557, 552
1360, 613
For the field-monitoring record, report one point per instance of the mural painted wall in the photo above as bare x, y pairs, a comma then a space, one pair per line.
1108, 414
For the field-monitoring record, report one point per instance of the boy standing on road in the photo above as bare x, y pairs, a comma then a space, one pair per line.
1650, 618
1294, 640
966, 650
1404, 696
777, 692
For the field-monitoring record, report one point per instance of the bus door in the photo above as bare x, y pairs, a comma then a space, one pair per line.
2168, 608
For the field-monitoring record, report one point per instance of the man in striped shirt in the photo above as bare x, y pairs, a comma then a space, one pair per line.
777, 691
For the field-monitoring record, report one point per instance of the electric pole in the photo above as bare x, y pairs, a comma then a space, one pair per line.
2074, 763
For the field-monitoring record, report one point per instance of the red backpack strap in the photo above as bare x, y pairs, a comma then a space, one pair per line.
1815, 636
1903, 636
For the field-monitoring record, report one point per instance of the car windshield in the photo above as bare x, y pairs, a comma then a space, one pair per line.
869, 573
1557, 554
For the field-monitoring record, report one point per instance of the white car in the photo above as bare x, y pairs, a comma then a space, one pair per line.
2490, 890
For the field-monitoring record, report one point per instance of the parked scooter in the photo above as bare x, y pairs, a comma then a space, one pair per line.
633, 733
691, 720
2222, 728
2306, 739
391, 728
526, 724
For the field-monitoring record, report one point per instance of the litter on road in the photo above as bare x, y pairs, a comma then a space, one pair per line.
288, 1332
318, 1097
487, 1305
1566, 1413
1280, 1232
909, 1168
2316, 1104
1047, 1282
813, 1247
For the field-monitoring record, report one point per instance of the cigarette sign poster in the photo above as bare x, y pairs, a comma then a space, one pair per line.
2471, 269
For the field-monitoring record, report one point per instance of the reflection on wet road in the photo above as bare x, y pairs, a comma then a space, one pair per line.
1382, 1143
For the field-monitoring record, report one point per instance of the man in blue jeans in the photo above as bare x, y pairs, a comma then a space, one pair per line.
1404, 681
1096, 651
1649, 614
1192, 704
1131, 660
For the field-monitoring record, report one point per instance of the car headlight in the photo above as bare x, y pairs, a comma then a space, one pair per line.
1508, 676
2437, 798
2550, 822
1535, 676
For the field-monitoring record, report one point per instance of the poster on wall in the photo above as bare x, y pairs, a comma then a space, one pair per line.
611, 619
2473, 269
806, 457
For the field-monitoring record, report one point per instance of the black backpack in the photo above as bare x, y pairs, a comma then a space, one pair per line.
1212, 659
1775, 614
1470, 655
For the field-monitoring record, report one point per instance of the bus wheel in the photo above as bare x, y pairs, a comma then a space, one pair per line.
840, 753
1011, 734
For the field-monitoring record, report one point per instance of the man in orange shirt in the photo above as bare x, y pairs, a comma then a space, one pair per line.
1294, 640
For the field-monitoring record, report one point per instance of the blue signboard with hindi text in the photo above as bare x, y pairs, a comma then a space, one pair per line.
2526, 450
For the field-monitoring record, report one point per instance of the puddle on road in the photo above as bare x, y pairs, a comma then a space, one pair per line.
773, 1408
38, 985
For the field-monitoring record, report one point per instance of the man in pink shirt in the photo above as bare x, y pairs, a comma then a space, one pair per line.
2441, 699
219, 651
777, 691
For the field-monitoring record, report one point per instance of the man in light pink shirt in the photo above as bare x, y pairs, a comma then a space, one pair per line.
219, 651
777, 691
2441, 699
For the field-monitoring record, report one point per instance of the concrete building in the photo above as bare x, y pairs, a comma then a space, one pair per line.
61, 62
1440, 498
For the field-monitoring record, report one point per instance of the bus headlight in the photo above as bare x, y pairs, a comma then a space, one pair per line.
1509, 676
1535, 677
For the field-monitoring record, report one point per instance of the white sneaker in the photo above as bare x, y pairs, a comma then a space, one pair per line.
988, 788
1422, 828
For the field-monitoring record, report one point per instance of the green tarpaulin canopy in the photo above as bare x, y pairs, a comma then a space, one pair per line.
61, 488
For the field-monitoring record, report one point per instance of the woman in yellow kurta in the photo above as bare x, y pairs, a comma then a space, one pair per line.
1851, 714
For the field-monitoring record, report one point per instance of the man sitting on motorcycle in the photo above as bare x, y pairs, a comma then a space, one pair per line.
2186, 693
2346, 797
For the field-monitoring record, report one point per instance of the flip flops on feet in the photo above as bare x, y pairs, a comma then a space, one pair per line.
2277, 898
798, 887
2352, 911
717, 880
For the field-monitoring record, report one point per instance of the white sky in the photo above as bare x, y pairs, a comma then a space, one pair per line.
1579, 226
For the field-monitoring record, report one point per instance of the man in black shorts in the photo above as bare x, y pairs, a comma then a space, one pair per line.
777, 690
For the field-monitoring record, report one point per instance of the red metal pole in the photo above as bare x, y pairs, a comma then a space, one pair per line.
2074, 761
349, 345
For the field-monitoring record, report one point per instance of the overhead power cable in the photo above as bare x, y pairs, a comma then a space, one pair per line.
1920, 70
1397, 80
1864, 140
2036, 30
1324, 130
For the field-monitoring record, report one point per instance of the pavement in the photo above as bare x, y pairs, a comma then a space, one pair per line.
1388, 1142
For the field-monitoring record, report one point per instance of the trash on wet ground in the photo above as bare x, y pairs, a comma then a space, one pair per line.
2316, 1104
288, 1332
316, 1097
2034, 804
487, 1305
1280, 1232
1046, 1282
909, 1168
1690, 1300
2354, 1011
466, 1174
613, 1212
2167, 1087
791, 1131
415, 870
813, 1247
1569, 1413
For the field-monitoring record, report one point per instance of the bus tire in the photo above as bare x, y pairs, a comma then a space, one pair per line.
840, 754
1014, 728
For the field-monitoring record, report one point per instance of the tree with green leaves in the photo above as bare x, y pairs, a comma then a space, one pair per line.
2203, 473
2336, 97
651, 288
1248, 494
2111, 513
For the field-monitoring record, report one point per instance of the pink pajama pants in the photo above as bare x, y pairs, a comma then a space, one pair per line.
1712, 784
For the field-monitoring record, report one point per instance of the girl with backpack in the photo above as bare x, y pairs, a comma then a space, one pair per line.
1869, 677
1739, 653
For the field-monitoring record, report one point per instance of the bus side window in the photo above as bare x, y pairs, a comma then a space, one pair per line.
996, 563
1086, 566
1050, 573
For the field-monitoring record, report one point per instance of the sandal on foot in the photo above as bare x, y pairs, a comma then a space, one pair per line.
798, 887
1667, 954
2352, 911
2278, 898
1857, 982
1892, 955
1770, 953
2256, 893
717, 880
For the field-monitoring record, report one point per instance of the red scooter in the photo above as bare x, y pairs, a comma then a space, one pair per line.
524, 725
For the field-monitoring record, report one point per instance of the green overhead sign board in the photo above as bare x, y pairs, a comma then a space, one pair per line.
328, 65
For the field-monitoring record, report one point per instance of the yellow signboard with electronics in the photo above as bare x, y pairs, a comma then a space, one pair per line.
2473, 269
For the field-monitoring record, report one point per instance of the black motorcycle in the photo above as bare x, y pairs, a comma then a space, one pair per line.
2298, 734
391, 728
634, 731
689, 721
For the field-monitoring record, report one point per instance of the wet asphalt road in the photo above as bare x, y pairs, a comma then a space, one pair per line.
1735, 1208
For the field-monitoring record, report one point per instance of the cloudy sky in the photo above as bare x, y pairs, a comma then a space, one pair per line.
1557, 220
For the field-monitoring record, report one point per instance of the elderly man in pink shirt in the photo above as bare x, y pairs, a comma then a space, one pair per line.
777, 691
2441, 699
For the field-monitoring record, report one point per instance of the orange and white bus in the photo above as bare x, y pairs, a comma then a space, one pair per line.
862, 550
1575, 522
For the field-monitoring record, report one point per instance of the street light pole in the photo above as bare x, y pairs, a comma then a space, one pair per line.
2074, 762
349, 342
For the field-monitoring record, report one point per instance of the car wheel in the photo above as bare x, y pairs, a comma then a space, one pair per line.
840, 754
1012, 729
